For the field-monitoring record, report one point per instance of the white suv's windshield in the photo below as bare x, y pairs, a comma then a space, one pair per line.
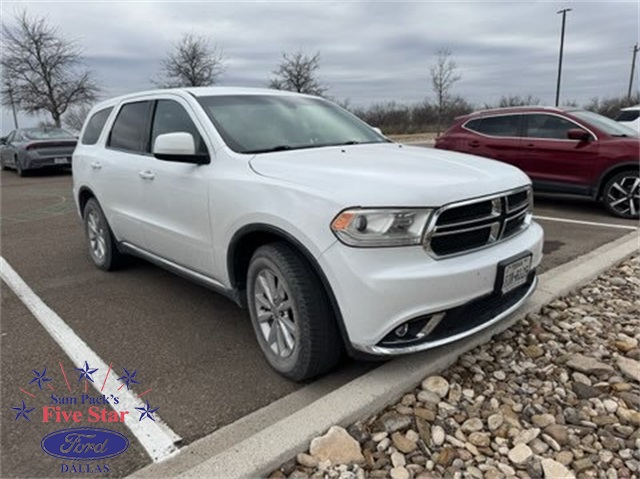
265, 123
605, 124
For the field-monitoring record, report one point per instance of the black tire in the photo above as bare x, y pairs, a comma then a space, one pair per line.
21, 171
621, 195
318, 346
100, 237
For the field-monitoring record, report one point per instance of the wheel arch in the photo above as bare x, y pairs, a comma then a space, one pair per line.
84, 194
249, 238
629, 165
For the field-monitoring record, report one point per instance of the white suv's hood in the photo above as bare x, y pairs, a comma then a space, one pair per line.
390, 174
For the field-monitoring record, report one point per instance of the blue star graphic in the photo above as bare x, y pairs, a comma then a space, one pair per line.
129, 377
40, 378
86, 372
146, 411
23, 411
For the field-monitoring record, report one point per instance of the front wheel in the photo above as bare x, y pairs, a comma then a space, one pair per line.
290, 313
621, 195
19, 169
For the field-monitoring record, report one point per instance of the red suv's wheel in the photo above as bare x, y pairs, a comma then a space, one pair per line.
621, 194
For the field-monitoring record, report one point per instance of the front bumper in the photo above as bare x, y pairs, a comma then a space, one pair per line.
380, 289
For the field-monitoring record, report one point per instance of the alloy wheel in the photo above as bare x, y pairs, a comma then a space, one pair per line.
275, 313
97, 237
623, 196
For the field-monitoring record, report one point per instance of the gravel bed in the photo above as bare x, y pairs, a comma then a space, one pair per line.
556, 396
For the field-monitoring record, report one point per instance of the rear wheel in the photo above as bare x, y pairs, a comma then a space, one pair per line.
290, 313
621, 195
102, 247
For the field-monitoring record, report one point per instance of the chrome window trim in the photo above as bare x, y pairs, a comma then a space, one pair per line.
431, 232
582, 127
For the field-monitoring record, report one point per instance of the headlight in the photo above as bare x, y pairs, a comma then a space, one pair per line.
381, 227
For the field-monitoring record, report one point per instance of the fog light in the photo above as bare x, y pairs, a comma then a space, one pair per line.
401, 331
413, 331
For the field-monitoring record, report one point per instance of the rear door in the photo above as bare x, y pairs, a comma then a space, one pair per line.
556, 162
116, 172
496, 137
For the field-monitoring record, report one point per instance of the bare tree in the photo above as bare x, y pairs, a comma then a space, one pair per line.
9, 96
443, 77
610, 106
75, 117
193, 61
297, 72
513, 100
45, 70
517, 100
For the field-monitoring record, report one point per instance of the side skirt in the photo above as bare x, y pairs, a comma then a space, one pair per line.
182, 271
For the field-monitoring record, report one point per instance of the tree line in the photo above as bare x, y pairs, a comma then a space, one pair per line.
44, 73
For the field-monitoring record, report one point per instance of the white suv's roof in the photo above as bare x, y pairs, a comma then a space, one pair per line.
197, 91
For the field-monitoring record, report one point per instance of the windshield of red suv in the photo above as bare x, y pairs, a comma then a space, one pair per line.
266, 123
603, 123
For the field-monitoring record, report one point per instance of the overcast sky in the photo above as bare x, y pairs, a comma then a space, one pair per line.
370, 51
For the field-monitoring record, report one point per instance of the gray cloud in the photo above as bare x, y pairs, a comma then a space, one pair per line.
371, 51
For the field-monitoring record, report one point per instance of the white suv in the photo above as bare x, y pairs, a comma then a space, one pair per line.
334, 237
630, 117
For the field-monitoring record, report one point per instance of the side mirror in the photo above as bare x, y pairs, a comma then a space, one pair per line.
3, 140
578, 134
178, 147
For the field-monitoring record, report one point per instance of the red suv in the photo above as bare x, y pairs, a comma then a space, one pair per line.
564, 151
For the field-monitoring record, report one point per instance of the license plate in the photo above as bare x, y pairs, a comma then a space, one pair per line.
60, 161
515, 274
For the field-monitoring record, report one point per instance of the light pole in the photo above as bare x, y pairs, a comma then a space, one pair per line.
13, 108
564, 19
636, 49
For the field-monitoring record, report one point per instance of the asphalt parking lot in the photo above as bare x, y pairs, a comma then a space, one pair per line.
194, 351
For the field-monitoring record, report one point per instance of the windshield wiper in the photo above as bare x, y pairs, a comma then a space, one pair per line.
273, 148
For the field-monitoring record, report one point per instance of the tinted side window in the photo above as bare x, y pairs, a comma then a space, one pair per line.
171, 117
129, 131
503, 125
628, 115
11, 136
548, 126
95, 126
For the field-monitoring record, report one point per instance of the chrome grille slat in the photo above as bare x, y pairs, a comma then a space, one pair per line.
477, 220
465, 230
504, 215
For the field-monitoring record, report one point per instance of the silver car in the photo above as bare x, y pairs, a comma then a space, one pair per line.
27, 149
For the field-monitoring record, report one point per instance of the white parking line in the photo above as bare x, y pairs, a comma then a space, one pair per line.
156, 437
588, 223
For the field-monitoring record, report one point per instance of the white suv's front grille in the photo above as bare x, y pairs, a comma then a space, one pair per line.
470, 225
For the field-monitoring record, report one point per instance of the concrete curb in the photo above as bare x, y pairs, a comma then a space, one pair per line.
265, 450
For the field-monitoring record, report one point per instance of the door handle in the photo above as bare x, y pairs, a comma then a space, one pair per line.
96, 165
530, 145
474, 144
146, 175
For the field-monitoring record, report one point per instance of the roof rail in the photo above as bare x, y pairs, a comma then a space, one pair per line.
519, 107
